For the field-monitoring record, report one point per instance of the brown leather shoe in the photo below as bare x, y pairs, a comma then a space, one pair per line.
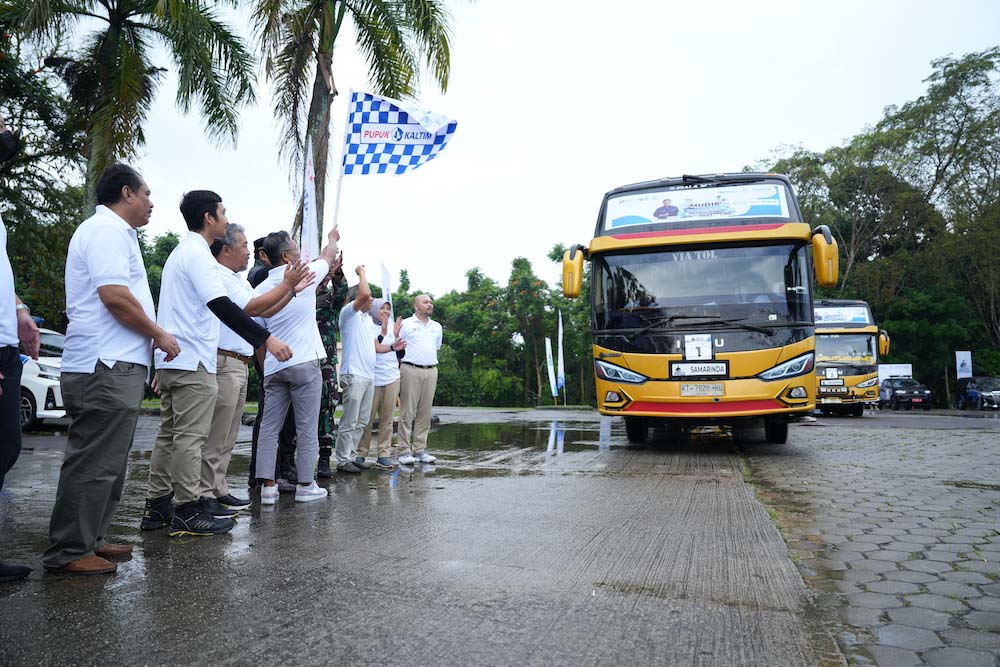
86, 565
107, 550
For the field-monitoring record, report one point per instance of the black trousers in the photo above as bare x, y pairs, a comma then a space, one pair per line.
10, 409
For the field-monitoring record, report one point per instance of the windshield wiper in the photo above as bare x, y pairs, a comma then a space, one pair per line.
666, 319
718, 320
738, 323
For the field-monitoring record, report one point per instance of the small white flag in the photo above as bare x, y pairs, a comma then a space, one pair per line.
560, 367
552, 370
309, 246
386, 288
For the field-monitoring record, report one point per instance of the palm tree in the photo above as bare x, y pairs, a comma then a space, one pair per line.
112, 80
396, 37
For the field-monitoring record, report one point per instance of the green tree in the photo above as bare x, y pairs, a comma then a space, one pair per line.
298, 38
154, 256
526, 299
39, 197
112, 80
934, 141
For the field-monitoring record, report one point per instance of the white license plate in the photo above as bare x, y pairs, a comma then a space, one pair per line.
831, 383
680, 369
829, 399
702, 389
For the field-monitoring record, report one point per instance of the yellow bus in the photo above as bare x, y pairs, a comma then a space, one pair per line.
848, 345
702, 303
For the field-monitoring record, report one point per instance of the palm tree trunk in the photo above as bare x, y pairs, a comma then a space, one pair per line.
318, 119
318, 131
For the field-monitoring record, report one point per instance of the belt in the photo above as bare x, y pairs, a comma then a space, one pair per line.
418, 365
235, 355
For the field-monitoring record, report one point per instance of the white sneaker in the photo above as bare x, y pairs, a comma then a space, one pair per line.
407, 459
304, 494
268, 495
426, 458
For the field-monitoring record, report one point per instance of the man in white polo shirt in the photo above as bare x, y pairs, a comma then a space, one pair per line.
234, 354
297, 381
362, 343
193, 300
418, 381
105, 363
16, 326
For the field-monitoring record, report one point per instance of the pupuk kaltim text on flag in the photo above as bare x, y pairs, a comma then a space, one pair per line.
386, 136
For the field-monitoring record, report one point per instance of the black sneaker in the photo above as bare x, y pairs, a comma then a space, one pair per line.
348, 467
13, 572
216, 509
323, 467
232, 502
158, 512
192, 519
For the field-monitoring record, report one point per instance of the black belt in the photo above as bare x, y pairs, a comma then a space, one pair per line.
418, 365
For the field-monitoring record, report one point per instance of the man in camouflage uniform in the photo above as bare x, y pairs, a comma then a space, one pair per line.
330, 298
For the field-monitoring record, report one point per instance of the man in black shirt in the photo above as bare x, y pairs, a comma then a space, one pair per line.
257, 273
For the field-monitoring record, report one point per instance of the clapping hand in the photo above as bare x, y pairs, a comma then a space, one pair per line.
397, 326
298, 276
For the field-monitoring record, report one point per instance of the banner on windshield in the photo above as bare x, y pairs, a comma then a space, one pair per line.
842, 315
746, 201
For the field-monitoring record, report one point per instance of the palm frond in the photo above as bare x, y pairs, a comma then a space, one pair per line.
382, 40
429, 24
291, 74
214, 67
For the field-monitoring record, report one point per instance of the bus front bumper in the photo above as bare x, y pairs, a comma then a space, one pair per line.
747, 398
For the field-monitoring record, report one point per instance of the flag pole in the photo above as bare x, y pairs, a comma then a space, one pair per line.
340, 162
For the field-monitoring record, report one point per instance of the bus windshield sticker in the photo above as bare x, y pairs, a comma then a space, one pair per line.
698, 347
750, 200
842, 315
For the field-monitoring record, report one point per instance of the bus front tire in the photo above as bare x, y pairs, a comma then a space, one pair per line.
636, 429
776, 432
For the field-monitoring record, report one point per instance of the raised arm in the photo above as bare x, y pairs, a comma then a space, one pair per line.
297, 277
364, 291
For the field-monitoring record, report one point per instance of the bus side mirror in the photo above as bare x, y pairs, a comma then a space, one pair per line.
572, 279
883, 343
826, 259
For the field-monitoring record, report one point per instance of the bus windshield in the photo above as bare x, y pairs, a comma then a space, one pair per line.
846, 348
757, 285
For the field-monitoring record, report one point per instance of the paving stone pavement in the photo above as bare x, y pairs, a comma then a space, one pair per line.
894, 525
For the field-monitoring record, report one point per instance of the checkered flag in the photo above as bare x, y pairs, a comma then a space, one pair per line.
386, 136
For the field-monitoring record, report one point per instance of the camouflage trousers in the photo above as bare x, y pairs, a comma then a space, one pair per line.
329, 399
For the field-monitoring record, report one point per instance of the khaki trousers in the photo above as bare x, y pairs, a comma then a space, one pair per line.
416, 397
383, 406
104, 406
187, 402
231, 380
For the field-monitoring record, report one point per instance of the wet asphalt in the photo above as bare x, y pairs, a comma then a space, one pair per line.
539, 537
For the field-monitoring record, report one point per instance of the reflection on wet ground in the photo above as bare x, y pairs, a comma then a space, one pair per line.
538, 537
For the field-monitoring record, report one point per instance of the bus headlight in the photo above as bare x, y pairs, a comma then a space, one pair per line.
791, 368
868, 383
607, 371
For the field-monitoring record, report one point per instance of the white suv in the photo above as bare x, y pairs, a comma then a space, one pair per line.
40, 394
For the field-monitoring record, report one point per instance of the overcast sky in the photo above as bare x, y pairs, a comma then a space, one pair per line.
556, 107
